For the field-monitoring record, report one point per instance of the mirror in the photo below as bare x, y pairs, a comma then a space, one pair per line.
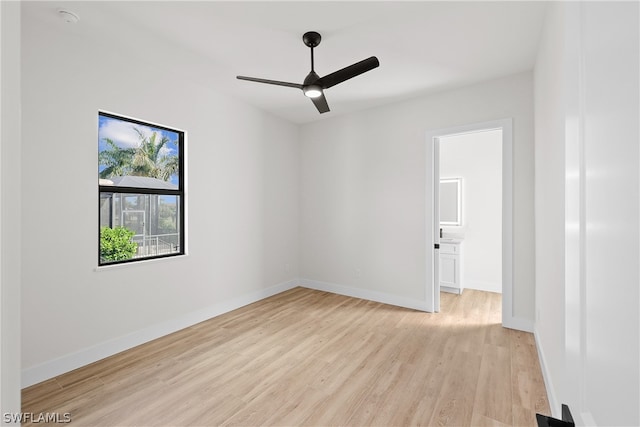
451, 202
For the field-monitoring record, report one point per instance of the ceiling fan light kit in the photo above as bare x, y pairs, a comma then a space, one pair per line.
313, 85
312, 91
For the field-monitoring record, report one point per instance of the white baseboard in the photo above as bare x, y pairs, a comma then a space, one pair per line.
483, 286
556, 409
364, 294
69, 362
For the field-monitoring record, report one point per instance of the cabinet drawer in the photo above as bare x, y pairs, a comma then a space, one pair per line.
449, 248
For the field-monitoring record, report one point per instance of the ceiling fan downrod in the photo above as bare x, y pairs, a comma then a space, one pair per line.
311, 39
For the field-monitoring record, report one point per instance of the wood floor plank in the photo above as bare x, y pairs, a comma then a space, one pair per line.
456, 398
527, 383
312, 358
494, 397
44, 390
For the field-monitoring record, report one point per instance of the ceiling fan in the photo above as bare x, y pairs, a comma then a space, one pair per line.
313, 85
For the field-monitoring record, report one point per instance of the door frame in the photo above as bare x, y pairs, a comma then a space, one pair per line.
432, 238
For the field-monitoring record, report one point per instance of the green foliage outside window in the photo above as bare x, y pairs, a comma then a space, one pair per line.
116, 244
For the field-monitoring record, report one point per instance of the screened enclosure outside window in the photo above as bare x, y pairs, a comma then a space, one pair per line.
140, 181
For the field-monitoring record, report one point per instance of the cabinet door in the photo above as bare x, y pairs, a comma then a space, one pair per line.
449, 270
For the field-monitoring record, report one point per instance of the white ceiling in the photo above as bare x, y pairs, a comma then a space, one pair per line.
423, 47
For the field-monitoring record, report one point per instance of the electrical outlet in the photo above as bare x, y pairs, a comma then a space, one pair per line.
357, 273
287, 268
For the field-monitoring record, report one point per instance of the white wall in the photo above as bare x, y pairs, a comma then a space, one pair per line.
364, 201
10, 209
242, 193
477, 159
588, 108
550, 200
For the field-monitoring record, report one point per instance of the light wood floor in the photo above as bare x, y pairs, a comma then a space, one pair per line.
312, 358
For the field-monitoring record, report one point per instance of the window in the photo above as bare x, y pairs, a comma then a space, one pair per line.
141, 187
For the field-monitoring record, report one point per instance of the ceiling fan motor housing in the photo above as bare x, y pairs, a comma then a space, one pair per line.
311, 78
311, 38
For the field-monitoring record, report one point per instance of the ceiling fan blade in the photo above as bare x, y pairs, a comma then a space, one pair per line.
271, 82
348, 72
321, 103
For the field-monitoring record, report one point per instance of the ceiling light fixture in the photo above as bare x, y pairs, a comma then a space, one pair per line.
312, 91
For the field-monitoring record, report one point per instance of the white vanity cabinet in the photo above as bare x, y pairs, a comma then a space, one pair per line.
451, 266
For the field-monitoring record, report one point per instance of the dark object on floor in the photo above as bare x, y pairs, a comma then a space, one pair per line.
566, 421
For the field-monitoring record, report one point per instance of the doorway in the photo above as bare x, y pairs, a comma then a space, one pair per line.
434, 243
471, 211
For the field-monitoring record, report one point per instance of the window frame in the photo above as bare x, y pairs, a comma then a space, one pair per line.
180, 193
